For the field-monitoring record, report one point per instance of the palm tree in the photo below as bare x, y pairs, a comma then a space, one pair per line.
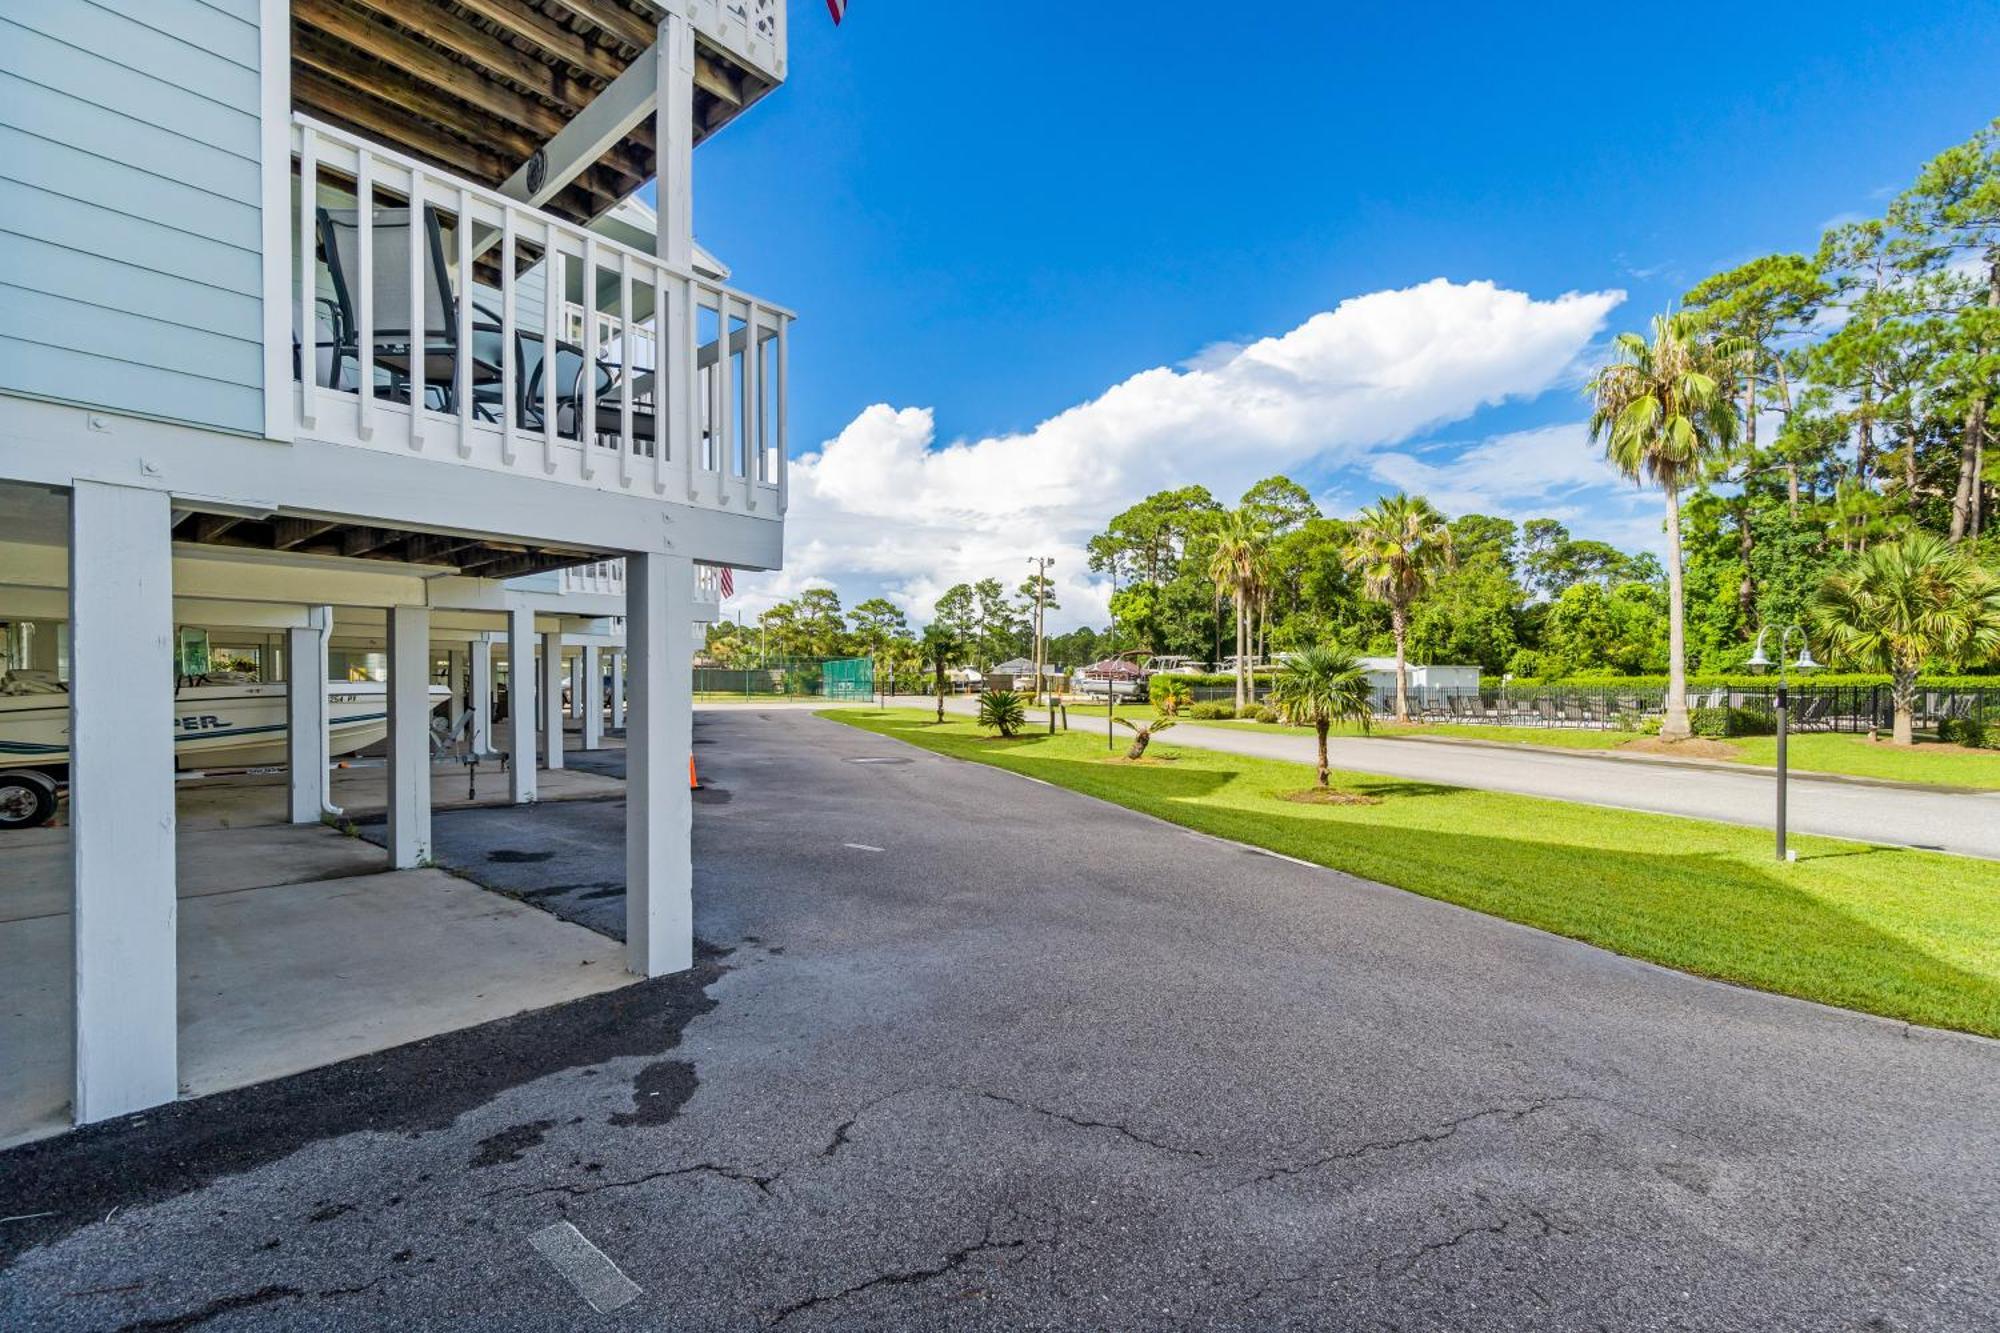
1399, 547
940, 648
1143, 733
1237, 567
1003, 711
1664, 409
1901, 604
1319, 687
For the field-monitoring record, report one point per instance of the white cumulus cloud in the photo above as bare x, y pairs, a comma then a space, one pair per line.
883, 506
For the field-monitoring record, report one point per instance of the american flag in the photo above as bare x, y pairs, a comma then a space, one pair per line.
725, 579
837, 8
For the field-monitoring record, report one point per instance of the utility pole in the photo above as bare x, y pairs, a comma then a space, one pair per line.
1041, 564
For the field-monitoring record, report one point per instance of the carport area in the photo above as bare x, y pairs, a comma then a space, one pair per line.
295, 949
204, 912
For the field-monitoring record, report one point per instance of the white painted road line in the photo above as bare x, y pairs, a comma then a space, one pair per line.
589, 1269
860, 846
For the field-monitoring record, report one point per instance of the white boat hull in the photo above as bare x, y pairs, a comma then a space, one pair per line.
215, 726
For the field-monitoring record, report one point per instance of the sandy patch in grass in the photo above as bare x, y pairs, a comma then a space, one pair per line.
1694, 747
1328, 796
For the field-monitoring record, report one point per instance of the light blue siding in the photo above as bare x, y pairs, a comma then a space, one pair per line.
130, 198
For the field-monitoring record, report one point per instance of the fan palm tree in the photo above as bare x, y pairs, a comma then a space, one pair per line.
1664, 409
1399, 547
1902, 604
1319, 687
1237, 568
940, 648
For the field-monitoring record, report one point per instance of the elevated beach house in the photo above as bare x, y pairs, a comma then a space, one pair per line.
317, 308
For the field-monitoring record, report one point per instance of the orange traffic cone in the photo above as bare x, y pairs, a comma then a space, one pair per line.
693, 783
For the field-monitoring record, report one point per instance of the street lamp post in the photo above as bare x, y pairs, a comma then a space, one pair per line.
1758, 661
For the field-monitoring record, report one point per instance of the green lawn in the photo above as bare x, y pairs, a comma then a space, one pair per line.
1912, 935
1813, 752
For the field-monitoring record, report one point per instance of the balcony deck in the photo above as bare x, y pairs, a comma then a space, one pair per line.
687, 396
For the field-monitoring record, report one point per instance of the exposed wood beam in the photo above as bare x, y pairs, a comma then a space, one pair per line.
210, 527
391, 125
607, 184
425, 64
711, 78
430, 19
515, 566
532, 26
290, 533
365, 541
428, 549
616, 20
337, 63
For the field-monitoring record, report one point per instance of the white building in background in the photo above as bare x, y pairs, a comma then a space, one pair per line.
1430, 681
320, 320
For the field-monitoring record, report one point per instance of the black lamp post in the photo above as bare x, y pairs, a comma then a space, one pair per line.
1758, 661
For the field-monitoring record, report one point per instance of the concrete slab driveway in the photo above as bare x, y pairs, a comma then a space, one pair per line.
982, 1053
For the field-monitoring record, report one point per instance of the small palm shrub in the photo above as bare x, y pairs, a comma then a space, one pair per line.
1143, 733
1319, 687
1172, 698
1003, 710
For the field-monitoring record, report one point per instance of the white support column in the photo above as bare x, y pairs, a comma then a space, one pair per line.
122, 799
455, 680
573, 673
659, 810
409, 736
552, 701
673, 133
617, 689
521, 703
306, 746
482, 696
591, 697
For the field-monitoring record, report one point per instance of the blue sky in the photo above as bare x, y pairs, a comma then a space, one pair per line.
991, 215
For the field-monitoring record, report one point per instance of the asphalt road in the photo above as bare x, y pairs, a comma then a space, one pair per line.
1950, 821
985, 1053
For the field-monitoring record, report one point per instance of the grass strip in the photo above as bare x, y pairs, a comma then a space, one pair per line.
1906, 934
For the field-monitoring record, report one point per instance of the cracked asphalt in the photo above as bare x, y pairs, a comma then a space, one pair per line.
1045, 1063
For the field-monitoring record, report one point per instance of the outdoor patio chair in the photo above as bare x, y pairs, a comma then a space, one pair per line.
1545, 712
394, 342
1813, 715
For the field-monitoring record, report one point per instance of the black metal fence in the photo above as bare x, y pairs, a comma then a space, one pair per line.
1841, 708
1838, 708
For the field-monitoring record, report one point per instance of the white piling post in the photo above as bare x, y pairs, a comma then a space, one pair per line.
659, 808
122, 724
409, 736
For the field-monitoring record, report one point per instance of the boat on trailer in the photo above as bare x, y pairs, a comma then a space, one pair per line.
226, 724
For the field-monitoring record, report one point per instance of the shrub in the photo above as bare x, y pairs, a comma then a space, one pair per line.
1720, 723
1170, 697
1002, 710
1266, 713
1215, 710
1969, 731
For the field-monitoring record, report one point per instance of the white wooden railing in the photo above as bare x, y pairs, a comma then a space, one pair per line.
599, 576
751, 30
697, 417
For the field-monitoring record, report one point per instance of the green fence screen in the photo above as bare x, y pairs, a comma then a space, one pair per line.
848, 678
845, 678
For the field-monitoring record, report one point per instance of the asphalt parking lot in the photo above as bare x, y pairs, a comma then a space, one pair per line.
964, 1050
